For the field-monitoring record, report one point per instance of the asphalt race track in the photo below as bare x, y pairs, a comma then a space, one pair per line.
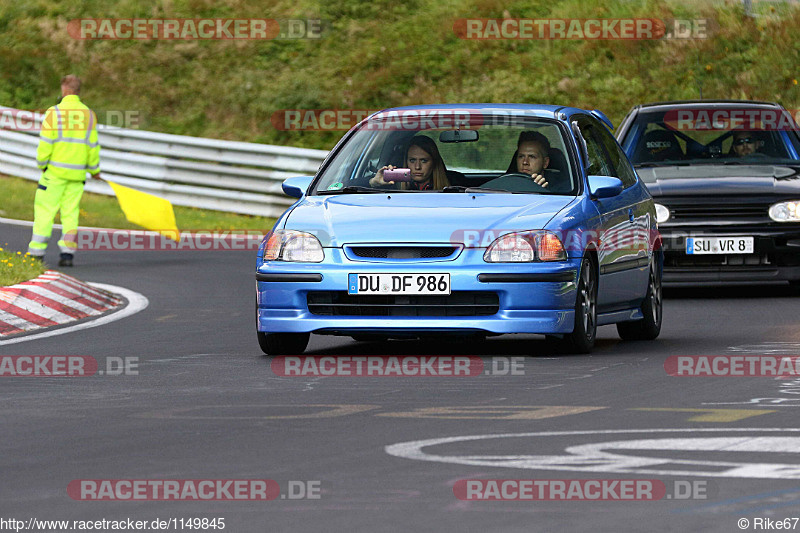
205, 404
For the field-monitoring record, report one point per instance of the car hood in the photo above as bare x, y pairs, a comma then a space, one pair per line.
419, 217
701, 180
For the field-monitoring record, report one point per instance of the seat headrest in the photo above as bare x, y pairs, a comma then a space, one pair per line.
659, 145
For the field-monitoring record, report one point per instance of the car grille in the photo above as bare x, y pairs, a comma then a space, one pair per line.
402, 252
746, 211
459, 303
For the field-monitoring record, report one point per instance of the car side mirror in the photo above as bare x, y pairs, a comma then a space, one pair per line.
296, 187
604, 186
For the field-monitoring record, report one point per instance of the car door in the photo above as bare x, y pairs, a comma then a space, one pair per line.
623, 250
639, 239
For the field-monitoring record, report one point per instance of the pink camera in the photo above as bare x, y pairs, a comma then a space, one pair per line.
398, 174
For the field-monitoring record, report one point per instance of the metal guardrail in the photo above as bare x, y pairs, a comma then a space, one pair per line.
231, 176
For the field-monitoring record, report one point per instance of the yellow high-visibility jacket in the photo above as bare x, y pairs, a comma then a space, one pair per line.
68, 146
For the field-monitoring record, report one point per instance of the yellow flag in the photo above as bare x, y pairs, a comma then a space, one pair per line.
146, 210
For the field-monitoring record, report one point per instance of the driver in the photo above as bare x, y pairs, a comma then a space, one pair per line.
746, 143
531, 156
531, 159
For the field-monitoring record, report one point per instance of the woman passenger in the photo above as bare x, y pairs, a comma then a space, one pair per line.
427, 167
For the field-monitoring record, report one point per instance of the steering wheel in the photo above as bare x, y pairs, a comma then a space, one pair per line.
517, 175
521, 175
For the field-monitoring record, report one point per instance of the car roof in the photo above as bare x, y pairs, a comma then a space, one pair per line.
660, 106
538, 110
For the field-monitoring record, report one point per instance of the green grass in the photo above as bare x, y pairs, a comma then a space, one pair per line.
383, 53
102, 211
16, 267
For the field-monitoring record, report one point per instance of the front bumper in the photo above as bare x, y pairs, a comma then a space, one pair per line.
775, 257
526, 304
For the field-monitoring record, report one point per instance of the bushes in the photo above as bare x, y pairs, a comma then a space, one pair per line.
379, 54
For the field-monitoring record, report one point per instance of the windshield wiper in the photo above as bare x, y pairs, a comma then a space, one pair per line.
355, 189
461, 188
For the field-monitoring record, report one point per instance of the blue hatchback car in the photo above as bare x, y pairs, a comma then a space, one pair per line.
474, 220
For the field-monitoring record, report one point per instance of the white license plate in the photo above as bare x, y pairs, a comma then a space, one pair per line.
398, 283
719, 245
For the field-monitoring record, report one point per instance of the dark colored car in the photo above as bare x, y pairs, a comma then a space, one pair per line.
724, 176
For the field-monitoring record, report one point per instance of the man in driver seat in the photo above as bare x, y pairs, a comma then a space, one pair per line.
531, 159
746, 143
531, 156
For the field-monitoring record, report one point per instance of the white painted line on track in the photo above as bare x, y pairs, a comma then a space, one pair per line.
595, 458
768, 348
136, 302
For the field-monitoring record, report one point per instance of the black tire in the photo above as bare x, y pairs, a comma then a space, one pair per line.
649, 327
584, 332
283, 343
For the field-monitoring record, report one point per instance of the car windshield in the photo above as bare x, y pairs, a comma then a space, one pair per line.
475, 151
730, 136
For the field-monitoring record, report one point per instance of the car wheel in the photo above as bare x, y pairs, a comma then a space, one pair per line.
648, 327
581, 340
283, 343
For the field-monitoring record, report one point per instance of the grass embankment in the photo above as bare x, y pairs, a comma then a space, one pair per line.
102, 211
16, 267
383, 53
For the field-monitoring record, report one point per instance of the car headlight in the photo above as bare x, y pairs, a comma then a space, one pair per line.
785, 211
662, 214
525, 247
291, 245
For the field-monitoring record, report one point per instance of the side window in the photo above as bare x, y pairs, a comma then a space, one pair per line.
599, 164
622, 169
